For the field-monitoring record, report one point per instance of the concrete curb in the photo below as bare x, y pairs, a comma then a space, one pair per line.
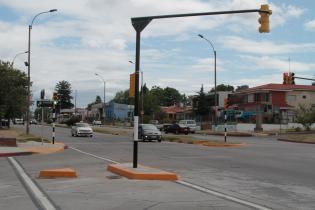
10, 154
294, 141
141, 173
58, 173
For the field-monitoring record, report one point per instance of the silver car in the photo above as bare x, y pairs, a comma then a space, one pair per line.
81, 129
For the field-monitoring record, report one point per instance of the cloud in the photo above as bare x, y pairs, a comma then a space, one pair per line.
310, 25
264, 47
281, 65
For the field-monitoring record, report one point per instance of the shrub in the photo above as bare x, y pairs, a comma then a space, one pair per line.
73, 120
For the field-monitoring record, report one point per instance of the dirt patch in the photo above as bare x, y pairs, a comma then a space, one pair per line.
299, 138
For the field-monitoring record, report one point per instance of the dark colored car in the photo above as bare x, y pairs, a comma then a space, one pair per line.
149, 132
175, 128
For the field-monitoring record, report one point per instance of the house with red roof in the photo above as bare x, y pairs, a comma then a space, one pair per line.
277, 102
176, 112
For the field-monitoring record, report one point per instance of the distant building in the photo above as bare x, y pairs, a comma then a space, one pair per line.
277, 102
115, 111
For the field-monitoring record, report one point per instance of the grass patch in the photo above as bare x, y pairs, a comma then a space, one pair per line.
303, 138
21, 136
231, 133
189, 140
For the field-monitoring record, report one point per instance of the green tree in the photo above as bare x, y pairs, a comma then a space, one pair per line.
122, 97
306, 117
13, 91
223, 87
63, 89
202, 107
97, 101
242, 87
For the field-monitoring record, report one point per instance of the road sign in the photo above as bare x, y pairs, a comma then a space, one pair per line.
44, 103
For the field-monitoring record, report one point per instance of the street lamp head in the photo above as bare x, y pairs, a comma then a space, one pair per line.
96, 74
53, 10
131, 62
200, 36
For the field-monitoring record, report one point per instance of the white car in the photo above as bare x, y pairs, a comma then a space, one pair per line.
81, 129
97, 122
191, 124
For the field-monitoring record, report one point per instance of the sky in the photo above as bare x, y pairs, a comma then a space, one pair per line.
85, 37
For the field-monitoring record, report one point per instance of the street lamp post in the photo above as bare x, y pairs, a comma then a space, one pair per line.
104, 114
12, 63
142, 111
215, 77
29, 70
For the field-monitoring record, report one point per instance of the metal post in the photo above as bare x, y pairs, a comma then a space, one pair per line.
53, 133
104, 107
225, 131
136, 110
29, 81
215, 88
142, 111
42, 125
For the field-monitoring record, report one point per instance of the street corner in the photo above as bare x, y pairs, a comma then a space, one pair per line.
57, 173
43, 148
141, 172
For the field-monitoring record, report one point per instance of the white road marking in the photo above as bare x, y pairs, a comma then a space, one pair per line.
221, 195
41, 198
196, 187
106, 159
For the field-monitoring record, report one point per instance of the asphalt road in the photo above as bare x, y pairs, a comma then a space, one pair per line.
278, 175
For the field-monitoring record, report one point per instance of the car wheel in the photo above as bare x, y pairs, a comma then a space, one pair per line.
186, 133
91, 136
193, 132
72, 134
159, 140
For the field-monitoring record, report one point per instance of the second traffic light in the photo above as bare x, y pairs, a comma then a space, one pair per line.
226, 103
55, 98
264, 18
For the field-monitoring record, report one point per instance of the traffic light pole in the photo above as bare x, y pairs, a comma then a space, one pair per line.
304, 78
139, 23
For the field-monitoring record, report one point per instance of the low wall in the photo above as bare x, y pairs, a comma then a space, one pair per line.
269, 127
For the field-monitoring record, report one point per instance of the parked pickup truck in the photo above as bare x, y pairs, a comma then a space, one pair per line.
191, 124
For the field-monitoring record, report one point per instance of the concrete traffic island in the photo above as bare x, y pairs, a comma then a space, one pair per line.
58, 173
141, 172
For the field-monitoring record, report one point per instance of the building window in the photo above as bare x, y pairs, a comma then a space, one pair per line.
250, 98
304, 97
291, 97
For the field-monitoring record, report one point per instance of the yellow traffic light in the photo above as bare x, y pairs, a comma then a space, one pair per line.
132, 85
264, 18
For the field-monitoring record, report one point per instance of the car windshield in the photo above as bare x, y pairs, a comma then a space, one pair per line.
149, 127
82, 125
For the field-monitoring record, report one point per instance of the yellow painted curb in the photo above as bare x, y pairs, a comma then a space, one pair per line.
58, 173
208, 144
134, 174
